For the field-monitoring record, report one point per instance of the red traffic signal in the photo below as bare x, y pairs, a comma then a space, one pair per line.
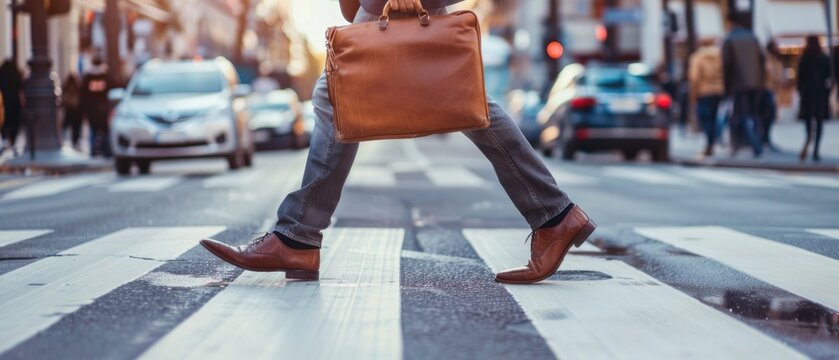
554, 50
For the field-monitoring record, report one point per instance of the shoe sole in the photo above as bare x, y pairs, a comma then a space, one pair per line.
289, 273
577, 241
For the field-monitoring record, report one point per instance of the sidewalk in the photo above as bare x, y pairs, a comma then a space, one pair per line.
788, 137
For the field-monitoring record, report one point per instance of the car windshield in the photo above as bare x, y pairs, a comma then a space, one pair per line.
158, 83
267, 106
615, 79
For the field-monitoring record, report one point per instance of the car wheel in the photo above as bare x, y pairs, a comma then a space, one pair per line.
568, 153
548, 152
630, 154
248, 158
661, 153
122, 166
144, 166
235, 160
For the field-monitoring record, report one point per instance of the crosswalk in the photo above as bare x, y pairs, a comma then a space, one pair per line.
599, 309
387, 176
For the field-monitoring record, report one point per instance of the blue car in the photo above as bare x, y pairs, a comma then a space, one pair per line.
605, 107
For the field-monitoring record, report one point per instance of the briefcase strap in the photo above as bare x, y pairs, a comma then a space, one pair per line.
384, 20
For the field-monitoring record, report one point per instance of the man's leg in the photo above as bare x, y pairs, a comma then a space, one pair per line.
521, 172
307, 211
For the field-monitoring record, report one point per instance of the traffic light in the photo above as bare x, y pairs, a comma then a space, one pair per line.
554, 50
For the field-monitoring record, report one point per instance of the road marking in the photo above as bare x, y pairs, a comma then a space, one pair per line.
831, 233
39, 294
145, 184
793, 269
564, 177
372, 176
728, 178
8, 237
57, 186
235, 179
353, 312
451, 176
646, 176
630, 316
818, 181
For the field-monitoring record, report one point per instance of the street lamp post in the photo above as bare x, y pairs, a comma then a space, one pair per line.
44, 142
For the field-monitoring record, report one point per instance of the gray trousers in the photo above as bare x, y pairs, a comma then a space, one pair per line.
307, 211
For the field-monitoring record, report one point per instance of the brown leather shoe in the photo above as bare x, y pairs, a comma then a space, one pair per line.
549, 246
268, 253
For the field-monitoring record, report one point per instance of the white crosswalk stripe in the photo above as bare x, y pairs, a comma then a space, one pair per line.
808, 180
646, 176
145, 184
39, 294
728, 178
362, 175
56, 186
234, 179
831, 233
566, 177
353, 312
591, 319
451, 176
8, 237
798, 271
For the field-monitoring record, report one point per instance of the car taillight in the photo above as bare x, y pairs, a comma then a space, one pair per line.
583, 103
663, 101
582, 134
662, 134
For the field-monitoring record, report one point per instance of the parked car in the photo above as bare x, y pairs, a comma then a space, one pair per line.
524, 106
184, 109
276, 119
606, 107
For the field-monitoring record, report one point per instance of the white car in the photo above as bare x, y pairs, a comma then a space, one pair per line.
185, 109
277, 121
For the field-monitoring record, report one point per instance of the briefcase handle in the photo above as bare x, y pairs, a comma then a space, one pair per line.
384, 20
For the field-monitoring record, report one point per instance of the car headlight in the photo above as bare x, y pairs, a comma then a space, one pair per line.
221, 112
126, 116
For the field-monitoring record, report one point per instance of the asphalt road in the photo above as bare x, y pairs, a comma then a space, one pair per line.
686, 262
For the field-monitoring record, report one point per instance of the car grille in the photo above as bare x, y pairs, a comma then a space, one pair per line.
146, 145
168, 120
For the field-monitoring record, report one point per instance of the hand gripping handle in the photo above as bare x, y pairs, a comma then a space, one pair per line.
384, 20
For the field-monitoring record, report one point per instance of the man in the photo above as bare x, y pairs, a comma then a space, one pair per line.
94, 102
293, 245
706, 86
11, 86
744, 74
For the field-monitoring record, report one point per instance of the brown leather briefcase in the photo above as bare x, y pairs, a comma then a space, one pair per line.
406, 77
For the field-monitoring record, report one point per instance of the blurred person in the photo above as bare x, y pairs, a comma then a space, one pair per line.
744, 76
293, 245
706, 86
95, 106
814, 86
71, 103
11, 86
775, 82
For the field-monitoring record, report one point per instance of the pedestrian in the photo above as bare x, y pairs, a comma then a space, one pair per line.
775, 82
94, 102
11, 86
294, 243
814, 93
706, 87
71, 104
744, 76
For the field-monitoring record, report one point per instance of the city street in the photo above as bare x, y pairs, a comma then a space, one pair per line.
686, 263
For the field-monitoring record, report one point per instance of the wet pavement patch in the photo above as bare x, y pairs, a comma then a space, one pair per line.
579, 275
